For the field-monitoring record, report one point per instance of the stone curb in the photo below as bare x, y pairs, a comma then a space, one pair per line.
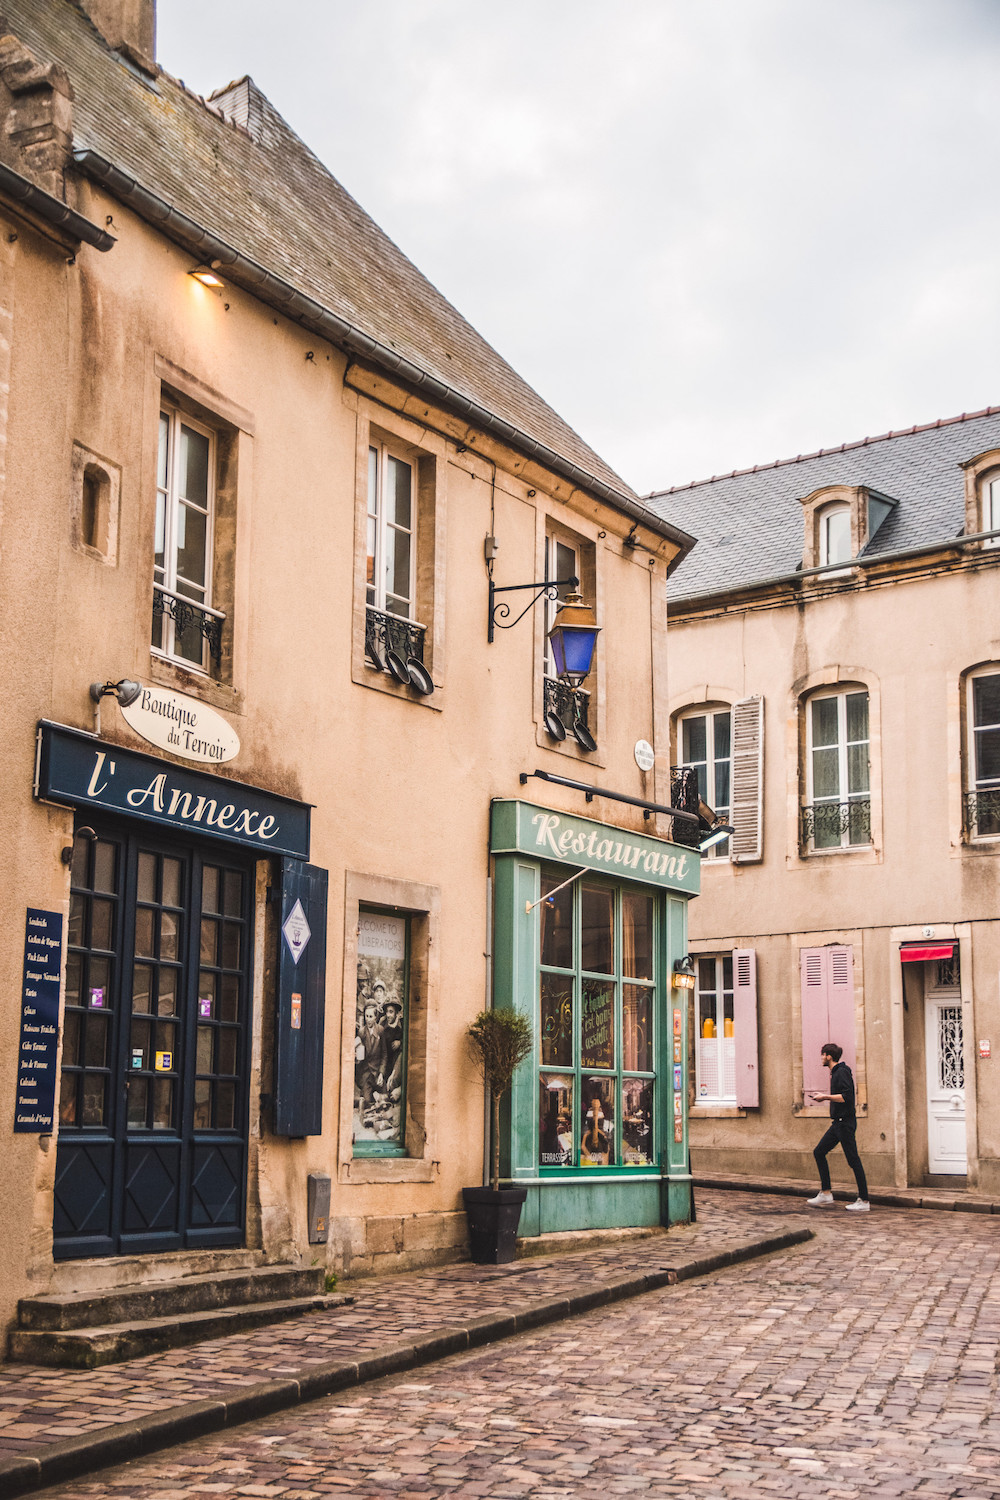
75, 1456
884, 1198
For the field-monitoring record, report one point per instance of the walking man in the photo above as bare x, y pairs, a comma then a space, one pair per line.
842, 1130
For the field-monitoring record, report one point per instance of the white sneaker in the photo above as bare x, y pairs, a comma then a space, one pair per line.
821, 1200
859, 1206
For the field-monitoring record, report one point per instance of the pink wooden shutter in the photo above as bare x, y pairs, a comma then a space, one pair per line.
745, 1026
813, 970
841, 1001
827, 976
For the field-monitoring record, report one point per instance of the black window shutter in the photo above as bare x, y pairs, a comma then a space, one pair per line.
298, 1064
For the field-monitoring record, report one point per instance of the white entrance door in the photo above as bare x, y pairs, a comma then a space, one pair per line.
946, 1147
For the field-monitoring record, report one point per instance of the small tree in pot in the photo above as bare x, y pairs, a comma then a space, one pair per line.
499, 1041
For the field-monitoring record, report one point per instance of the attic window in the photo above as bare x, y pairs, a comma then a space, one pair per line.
834, 535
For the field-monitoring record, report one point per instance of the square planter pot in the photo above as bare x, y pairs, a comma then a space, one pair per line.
493, 1218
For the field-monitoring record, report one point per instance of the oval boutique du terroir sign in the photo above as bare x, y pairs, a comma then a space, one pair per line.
174, 722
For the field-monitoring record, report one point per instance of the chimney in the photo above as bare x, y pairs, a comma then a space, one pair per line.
128, 26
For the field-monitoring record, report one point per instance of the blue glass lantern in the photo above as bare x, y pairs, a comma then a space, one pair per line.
573, 638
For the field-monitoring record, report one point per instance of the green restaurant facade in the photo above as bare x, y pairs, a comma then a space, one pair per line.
590, 920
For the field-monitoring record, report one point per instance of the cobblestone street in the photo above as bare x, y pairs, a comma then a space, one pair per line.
864, 1362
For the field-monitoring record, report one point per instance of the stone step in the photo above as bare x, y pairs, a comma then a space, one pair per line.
164, 1299
88, 1348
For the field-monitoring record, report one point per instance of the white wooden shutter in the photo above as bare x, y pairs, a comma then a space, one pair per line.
745, 1058
747, 807
827, 991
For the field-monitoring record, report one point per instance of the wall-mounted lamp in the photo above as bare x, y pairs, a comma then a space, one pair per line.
206, 274
126, 691
573, 638
499, 615
718, 832
683, 976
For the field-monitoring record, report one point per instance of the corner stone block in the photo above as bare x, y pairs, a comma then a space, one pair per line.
434, 1232
384, 1236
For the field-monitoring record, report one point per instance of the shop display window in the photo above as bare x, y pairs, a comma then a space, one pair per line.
380, 1034
596, 1004
715, 1031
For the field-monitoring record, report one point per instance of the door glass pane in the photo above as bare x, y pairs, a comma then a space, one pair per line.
67, 1098
138, 1095
74, 977
209, 932
100, 922
225, 1106
203, 1062
144, 932
105, 863
597, 905
96, 1052
230, 945
171, 874
637, 935
94, 1091
637, 1122
597, 1024
226, 1062
556, 1121
557, 924
146, 877
77, 918
202, 1104
229, 995
597, 1138
167, 991
71, 1039
209, 888
163, 1103
637, 1036
232, 887
557, 1020
169, 930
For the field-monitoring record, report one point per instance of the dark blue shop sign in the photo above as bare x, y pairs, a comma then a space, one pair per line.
78, 770
36, 1058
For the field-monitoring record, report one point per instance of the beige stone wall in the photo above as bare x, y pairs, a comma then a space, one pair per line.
401, 786
909, 642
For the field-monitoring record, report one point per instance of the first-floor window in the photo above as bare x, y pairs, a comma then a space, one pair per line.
391, 561
707, 746
983, 794
838, 811
380, 1034
715, 1030
597, 992
184, 621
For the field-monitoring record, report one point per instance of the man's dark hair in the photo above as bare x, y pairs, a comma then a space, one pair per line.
832, 1050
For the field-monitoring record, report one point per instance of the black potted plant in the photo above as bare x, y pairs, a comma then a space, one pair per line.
499, 1040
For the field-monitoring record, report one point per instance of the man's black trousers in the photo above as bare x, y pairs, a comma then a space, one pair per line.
841, 1133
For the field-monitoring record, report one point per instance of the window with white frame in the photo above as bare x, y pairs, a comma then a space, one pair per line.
991, 510
185, 626
715, 1030
391, 561
837, 814
706, 744
834, 535
562, 560
982, 797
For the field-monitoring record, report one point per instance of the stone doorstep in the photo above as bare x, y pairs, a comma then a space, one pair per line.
960, 1201
187, 1294
583, 1239
88, 1348
56, 1462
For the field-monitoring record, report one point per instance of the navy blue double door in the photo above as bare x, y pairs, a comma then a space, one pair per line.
153, 1099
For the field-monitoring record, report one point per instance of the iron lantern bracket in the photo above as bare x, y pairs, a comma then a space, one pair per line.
499, 613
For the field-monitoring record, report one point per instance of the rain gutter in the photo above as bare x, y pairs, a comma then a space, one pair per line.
52, 210
313, 315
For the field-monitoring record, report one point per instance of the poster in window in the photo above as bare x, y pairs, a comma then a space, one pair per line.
597, 1030
555, 1114
597, 1127
637, 1122
379, 1052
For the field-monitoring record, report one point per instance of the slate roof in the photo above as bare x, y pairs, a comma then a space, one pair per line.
749, 523
262, 191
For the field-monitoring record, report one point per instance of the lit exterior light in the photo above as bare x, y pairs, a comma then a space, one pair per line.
574, 637
683, 975
718, 832
206, 275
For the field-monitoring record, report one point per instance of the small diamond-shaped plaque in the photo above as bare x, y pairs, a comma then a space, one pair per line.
297, 931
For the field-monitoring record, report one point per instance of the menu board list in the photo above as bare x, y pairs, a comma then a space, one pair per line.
36, 1070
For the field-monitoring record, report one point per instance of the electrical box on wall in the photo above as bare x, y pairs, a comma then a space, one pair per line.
318, 1204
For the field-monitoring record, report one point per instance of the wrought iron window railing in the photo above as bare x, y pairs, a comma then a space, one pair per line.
684, 795
837, 825
982, 813
570, 705
188, 616
385, 632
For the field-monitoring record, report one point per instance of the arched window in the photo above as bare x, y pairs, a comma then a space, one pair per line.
834, 523
705, 742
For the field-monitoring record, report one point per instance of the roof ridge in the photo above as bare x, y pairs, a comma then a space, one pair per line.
781, 463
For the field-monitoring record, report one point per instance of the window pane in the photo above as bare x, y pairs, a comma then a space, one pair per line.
723, 732
826, 773
192, 547
721, 803
138, 1093
226, 1062
373, 481
597, 1135
167, 1004
987, 755
159, 542
142, 976
555, 1116
637, 1035
67, 1098
163, 1103
400, 477
100, 923
986, 701
825, 721
194, 466
597, 907
171, 882
146, 878
163, 451
695, 740
104, 866
225, 1106
210, 889
837, 536
857, 768
557, 924
74, 976
857, 717
144, 932
71, 1040
637, 935
232, 889
556, 1001
597, 1024
169, 930
93, 1099
637, 1122
397, 567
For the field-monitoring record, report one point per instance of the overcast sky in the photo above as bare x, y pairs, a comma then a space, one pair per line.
710, 232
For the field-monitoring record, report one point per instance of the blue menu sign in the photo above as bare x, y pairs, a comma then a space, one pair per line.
36, 1063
